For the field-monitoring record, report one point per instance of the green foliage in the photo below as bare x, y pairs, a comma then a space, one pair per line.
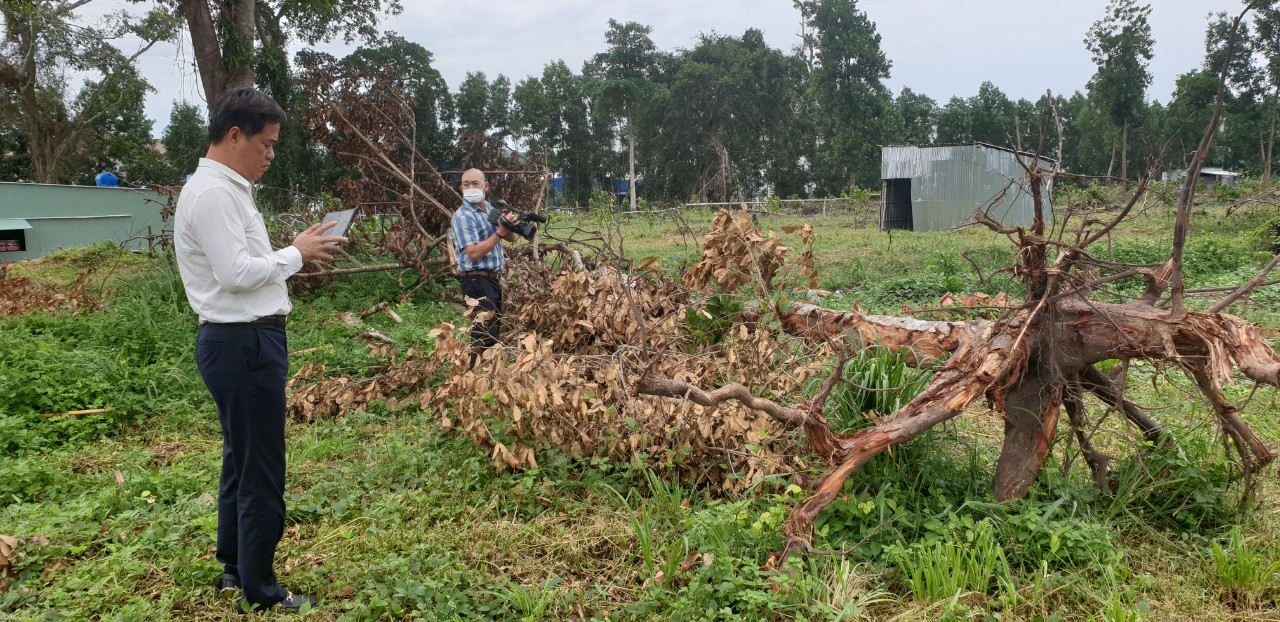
131, 360
72, 129
185, 139
555, 114
847, 88
1121, 45
1172, 488
602, 203
877, 381
710, 324
1246, 575
484, 106
1268, 235
1117, 610
1203, 256
856, 194
1061, 533
742, 144
939, 571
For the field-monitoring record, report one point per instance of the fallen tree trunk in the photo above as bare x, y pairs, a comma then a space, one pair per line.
1026, 379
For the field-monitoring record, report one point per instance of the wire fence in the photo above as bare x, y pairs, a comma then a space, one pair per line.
862, 212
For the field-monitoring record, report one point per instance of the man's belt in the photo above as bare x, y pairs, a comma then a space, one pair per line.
271, 320
277, 321
489, 273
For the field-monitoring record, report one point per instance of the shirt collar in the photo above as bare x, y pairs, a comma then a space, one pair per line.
482, 206
226, 171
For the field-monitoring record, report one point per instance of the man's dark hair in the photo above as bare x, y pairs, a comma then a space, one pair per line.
246, 108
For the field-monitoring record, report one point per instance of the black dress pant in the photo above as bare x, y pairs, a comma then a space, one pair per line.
488, 291
245, 368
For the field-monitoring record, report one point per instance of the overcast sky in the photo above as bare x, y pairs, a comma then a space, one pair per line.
938, 47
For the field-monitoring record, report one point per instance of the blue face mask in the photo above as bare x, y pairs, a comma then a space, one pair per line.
473, 195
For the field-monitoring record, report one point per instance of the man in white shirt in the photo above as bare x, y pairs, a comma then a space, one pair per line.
235, 283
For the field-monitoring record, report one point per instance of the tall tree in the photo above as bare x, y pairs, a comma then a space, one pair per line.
416, 73
847, 86
621, 82
993, 116
44, 42
1121, 45
1241, 143
557, 116
186, 138
914, 117
498, 110
473, 101
955, 121
1091, 140
225, 33
726, 124
1267, 43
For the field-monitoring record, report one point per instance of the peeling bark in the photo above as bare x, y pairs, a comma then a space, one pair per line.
1030, 422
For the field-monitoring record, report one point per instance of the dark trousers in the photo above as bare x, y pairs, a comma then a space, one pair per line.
245, 368
488, 291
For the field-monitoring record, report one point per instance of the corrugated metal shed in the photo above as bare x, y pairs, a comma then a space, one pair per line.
935, 187
69, 216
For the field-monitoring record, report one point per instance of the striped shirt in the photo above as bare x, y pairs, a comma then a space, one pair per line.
470, 225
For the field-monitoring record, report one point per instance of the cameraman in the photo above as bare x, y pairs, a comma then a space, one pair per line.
478, 247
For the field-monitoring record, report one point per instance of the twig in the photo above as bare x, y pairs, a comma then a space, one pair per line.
76, 413
377, 336
378, 268
1248, 287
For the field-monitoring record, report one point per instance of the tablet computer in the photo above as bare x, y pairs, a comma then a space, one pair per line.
344, 221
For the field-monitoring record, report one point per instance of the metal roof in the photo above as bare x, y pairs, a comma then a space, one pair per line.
9, 224
1221, 172
976, 143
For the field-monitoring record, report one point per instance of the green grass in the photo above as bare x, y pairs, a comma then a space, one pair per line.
391, 518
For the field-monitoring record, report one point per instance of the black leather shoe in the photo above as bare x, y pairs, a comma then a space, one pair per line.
291, 602
295, 602
228, 582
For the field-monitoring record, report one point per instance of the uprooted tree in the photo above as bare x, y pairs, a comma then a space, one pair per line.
612, 360
367, 121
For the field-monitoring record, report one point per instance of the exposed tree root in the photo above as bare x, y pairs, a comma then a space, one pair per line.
1029, 384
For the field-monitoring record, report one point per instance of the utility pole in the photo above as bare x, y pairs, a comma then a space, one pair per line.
631, 176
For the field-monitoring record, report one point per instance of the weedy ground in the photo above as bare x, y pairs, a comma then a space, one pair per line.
391, 517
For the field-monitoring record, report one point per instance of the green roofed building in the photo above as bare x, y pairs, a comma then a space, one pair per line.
37, 219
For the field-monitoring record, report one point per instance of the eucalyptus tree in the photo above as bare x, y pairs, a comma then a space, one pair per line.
558, 119
846, 84
484, 106
1267, 44
1121, 46
622, 84
726, 128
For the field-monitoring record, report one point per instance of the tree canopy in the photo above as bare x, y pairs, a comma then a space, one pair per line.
727, 118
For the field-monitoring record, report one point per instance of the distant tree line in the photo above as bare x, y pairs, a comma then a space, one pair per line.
727, 119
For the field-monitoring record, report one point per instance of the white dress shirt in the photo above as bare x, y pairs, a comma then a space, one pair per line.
228, 268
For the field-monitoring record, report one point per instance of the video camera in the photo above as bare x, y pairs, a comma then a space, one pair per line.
524, 223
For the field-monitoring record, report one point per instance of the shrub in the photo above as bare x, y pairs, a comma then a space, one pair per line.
878, 381
1245, 574
970, 561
